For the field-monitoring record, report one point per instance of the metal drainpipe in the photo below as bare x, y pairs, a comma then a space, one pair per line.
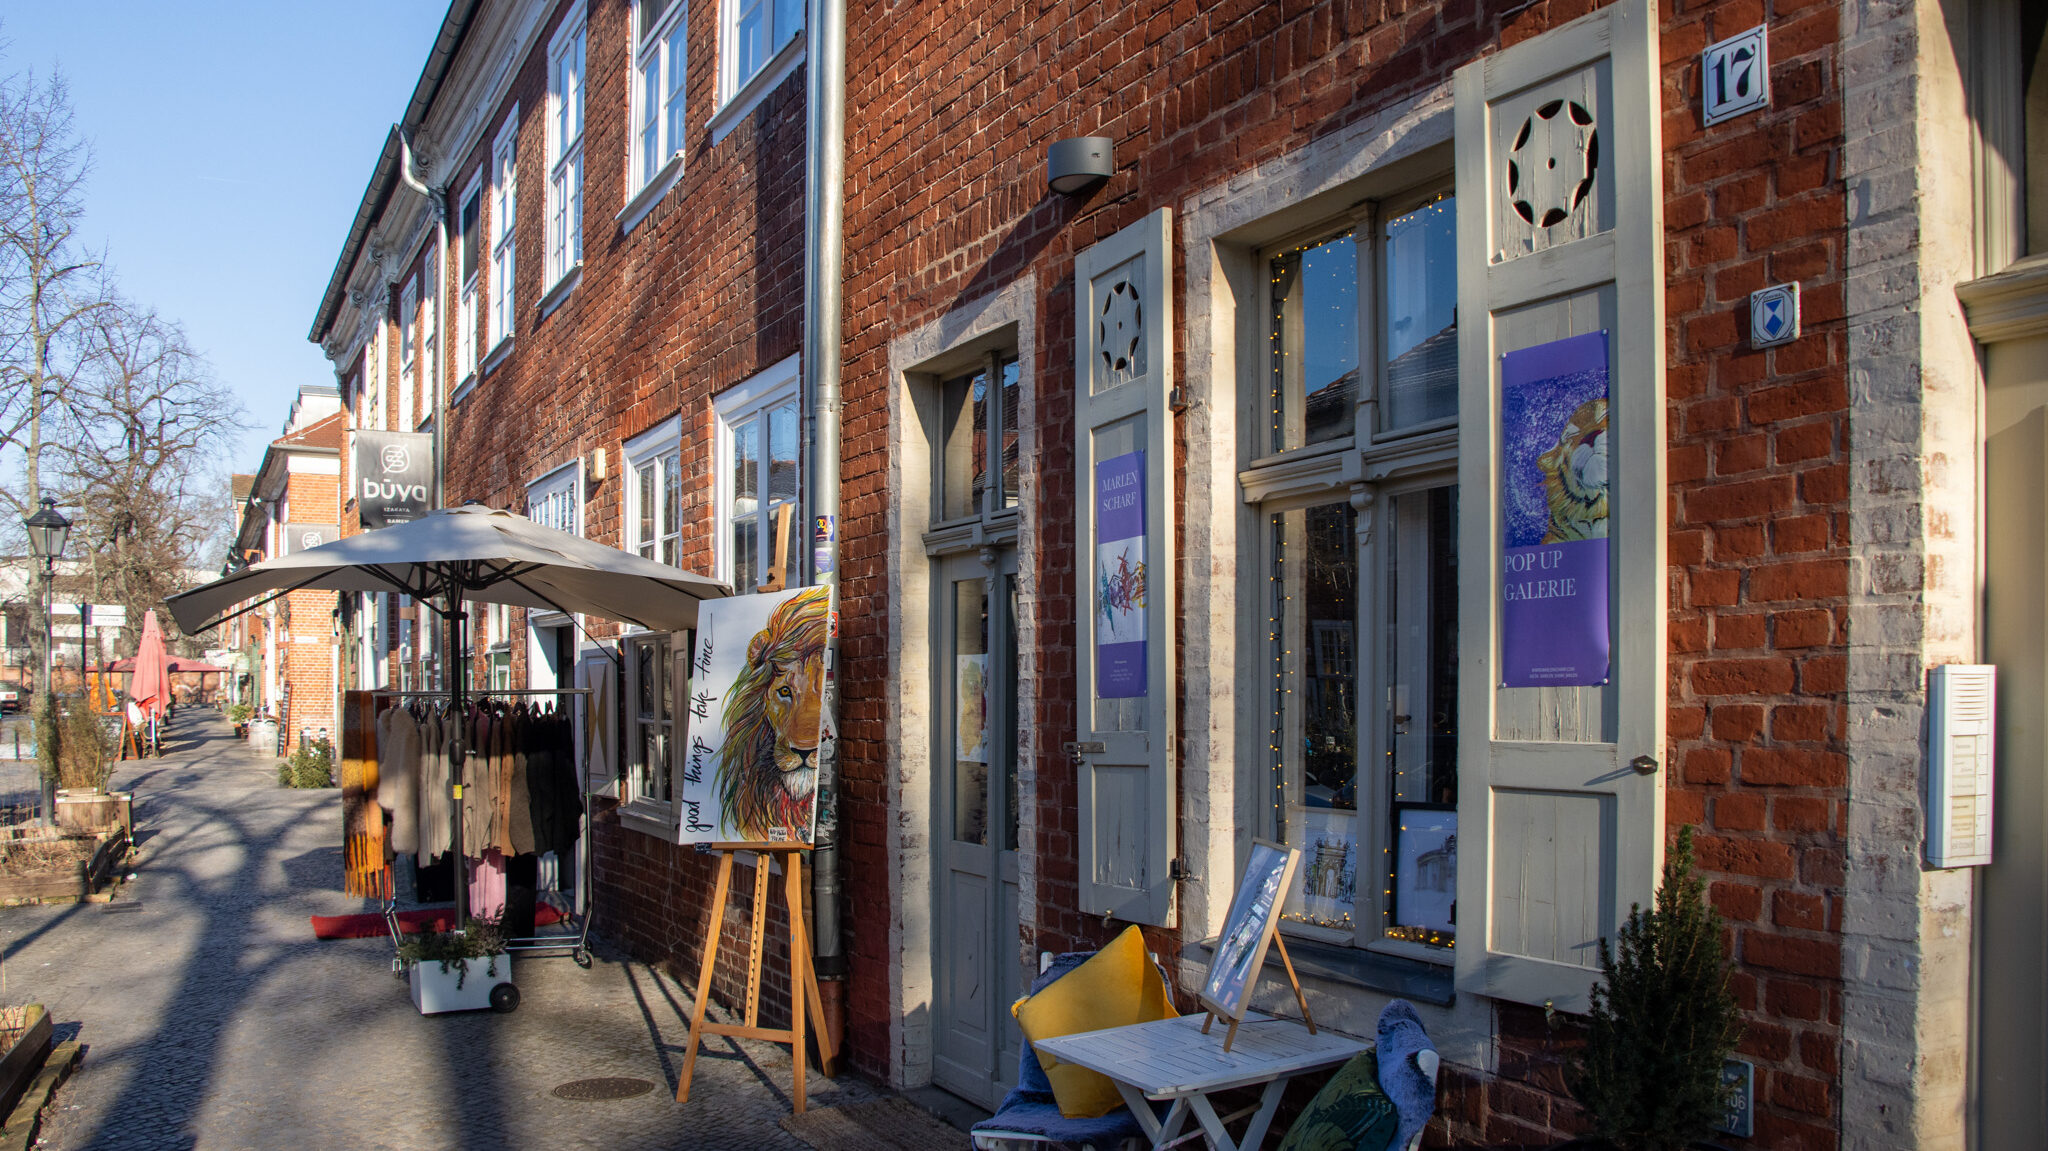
824, 239
439, 202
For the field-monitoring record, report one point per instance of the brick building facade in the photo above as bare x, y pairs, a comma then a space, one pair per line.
294, 501
587, 234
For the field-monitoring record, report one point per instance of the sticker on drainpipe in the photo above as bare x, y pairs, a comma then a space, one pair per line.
823, 538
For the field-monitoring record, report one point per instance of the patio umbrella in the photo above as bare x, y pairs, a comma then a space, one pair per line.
150, 686
468, 553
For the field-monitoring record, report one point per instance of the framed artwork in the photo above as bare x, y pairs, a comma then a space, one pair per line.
1248, 929
756, 719
1426, 869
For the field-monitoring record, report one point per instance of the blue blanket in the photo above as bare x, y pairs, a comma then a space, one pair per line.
1029, 1108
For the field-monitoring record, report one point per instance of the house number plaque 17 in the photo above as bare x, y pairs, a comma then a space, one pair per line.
1735, 75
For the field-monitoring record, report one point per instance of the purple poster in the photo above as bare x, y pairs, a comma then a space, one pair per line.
1553, 418
1120, 577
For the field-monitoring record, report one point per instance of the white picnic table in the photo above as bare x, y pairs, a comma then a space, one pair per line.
1170, 1060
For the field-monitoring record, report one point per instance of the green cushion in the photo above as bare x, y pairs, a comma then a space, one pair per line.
1350, 1113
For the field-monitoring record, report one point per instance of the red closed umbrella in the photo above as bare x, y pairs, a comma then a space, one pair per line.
150, 686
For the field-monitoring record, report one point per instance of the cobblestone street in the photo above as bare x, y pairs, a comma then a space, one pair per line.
213, 1018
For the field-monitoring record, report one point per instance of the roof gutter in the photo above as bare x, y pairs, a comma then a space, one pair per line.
439, 202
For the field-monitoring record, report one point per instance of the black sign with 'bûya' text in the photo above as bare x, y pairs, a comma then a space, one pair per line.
305, 537
394, 477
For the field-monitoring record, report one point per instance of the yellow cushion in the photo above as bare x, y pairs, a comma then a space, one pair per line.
1117, 986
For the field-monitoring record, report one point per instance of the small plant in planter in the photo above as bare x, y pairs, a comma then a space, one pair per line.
311, 764
238, 714
459, 970
85, 753
1661, 1023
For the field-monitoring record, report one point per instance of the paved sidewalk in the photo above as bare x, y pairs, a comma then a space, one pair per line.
213, 1019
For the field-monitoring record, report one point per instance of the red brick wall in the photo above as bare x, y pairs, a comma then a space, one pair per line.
948, 124
703, 294
1758, 548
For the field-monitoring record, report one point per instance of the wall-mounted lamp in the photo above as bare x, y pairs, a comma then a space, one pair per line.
1078, 164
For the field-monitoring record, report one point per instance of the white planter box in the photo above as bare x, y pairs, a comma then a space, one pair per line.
434, 990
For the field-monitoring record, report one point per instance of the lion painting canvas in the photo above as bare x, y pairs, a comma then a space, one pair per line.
756, 716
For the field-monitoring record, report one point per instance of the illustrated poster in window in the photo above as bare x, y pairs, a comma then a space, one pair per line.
750, 772
971, 724
1554, 453
1120, 577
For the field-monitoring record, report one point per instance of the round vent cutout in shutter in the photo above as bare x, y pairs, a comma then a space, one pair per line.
1553, 162
1121, 328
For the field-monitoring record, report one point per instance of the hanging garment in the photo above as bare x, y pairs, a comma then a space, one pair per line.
363, 851
568, 787
501, 778
519, 830
487, 886
398, 788
436, 808
477, 802
541, 799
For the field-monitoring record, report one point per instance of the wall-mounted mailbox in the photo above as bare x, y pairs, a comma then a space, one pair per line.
1961, 707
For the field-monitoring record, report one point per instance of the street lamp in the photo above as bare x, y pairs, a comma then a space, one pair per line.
48, 532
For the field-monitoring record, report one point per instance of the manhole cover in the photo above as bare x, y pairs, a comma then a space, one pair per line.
603, 1090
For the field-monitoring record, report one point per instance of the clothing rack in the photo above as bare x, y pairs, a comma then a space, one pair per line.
576, 942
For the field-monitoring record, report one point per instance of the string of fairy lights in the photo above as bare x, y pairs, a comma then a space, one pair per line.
1284, 276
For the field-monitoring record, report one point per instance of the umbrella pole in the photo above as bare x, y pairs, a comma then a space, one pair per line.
458, 749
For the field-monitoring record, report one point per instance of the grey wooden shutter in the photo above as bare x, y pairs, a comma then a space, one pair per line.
596, 672
1123, 371
1560, 229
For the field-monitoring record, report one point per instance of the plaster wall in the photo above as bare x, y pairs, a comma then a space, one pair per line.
1913, 601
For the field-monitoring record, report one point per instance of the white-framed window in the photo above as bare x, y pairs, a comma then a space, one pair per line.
408, 350
1357, 620
752, 34
553, 500
565, 149
504, 217
654, 492
374, 385
659, 83
468, 273
429, 358
760, 452
976, 456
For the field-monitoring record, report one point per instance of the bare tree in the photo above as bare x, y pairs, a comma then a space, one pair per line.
50, 291
139, 450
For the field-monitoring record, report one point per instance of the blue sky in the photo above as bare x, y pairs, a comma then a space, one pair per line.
231, 145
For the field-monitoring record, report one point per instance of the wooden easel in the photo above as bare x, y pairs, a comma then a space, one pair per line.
1230, 1036
803, 981
131, 740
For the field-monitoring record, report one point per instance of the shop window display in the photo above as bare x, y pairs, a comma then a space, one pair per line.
1359, 595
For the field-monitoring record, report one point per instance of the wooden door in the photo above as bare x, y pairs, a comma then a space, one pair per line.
977, 965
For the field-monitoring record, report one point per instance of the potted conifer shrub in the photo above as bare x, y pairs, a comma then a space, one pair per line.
1662, 1022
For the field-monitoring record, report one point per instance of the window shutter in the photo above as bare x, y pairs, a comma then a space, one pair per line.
1124, 563
1560, 234
600, 759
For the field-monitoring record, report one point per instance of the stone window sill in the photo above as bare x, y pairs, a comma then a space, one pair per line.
560, 292
1391, 974
645, 199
